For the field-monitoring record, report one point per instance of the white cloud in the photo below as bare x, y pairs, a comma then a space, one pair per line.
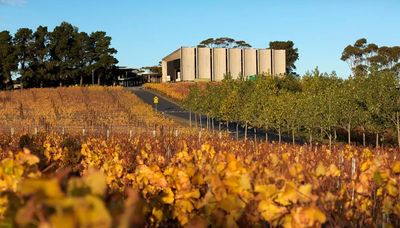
13, 2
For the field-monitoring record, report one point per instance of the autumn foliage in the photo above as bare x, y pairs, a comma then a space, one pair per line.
191, 179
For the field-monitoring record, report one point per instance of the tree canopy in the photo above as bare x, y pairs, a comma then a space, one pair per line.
364, 57
64, 56
314, 107
223, 42
292, 53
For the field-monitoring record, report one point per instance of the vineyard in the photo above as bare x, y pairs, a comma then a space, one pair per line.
75, 108
49, 179
177, 92
170, 178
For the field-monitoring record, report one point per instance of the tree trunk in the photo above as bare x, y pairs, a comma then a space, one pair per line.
201, 123
330, 141
349, 133
293, 141
245, 131
255, 135
219, 125
377, 140
237, 131
190, 119
227, 126
81, 81
279, 135
363, 133
195, 119
398, 128
334, 136
266, 133
98, 79
310, 139
212, 124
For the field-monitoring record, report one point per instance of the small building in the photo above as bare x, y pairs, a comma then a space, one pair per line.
128, 77
150, 76
212, 64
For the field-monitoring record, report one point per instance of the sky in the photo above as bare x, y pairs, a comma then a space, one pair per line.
144, 31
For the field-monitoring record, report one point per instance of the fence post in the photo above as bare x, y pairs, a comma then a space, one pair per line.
353, 173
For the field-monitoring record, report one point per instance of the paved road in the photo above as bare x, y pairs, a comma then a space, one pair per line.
173, 110
164, 105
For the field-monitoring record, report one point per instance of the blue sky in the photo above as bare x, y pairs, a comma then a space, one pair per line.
144, 31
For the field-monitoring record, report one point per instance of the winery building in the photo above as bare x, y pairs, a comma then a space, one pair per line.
212, 64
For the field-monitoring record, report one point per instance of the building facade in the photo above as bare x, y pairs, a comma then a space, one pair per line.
212, 64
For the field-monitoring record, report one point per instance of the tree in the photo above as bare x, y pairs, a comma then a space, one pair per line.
61, 44
40, 54
292, 54
81, 56
8, 59
23, 40
102, 58
223, 42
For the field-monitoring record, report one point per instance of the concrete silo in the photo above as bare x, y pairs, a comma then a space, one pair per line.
219, 63
235, 62
204, 63
279, 62
188, 64
250, 61
264, 61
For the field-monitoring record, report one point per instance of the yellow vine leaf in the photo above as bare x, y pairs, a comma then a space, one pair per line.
305, 194
333, 171
157, 214
96, 180
307, 216
269, 211
321, 170
391, 189
287, 195
49, 188
168, 196
396, 167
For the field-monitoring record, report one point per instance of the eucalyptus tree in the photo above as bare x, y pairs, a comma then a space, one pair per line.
81, 56
62, 41
8, 59
223, 42
23, 40
292, 53
102, 54
39, 66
